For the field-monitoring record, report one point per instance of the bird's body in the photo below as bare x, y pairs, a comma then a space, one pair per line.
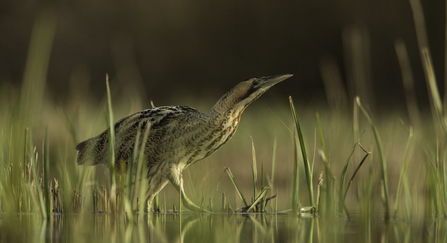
179, 136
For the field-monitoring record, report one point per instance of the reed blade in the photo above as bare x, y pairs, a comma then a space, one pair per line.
111, 140
46, 175
407, 155
255, 169
307, 169
258, 199
236, 186
383, 164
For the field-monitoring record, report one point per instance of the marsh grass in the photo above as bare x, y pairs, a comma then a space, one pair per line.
41, 184
76, 190
308, 170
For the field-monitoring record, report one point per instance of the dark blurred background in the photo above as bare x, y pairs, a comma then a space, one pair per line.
169, 48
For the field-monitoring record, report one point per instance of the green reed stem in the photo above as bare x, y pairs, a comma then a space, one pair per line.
307, 169
130, 195
381, 157
342, 181
236, 186
296, 179
272, 175
330, 178
403, 170
254, 169
140, 171
46, 174
262, 186
355, 172
111, 141
259, 198
40, 199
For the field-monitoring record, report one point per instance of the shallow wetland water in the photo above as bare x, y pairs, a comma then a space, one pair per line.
189, 227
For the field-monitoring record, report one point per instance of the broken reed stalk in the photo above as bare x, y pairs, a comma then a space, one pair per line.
258, 199
236, 186
342, 181
383, 164
356, 170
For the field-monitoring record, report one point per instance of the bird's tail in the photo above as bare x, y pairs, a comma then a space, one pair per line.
88, 152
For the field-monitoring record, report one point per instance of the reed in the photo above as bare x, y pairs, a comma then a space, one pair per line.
403, 172
111, 140
272, 175
308, 170
254, 170
46, 173
241, 196
381, 157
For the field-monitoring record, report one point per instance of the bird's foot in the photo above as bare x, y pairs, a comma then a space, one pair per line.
191, 206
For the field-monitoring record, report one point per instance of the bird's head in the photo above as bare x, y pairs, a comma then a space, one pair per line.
244, 93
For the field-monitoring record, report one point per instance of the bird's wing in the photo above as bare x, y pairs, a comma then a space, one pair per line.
161, 120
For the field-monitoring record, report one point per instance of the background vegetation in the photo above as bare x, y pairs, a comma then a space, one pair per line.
53, 95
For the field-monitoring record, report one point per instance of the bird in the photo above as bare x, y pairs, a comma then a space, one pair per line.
178, 136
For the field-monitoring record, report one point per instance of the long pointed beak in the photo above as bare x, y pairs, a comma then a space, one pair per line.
272, 80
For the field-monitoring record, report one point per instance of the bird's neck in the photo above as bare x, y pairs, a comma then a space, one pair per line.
225, 115
227, 103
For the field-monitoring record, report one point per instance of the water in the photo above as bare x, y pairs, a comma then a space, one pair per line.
189, 227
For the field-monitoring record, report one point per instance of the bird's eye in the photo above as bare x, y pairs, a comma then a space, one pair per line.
255, 82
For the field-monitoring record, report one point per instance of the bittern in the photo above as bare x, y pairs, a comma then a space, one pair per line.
179, 136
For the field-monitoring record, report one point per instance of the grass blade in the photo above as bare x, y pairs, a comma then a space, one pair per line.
236, 186
342, 181
262, 186
111, 137
433, 88
330, 178
130, 195
46, 174
381, 157
403, 170
272, 176
258, 199
37, 184
296, 179
307, 169
255, 169
320, 131
134, 161
140, 178
355, 172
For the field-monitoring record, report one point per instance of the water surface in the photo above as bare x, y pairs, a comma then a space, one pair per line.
191, 227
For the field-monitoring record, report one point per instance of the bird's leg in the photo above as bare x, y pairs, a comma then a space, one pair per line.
156, 188
177, 181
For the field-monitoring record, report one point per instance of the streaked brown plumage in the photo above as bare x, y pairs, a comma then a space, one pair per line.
179, 136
